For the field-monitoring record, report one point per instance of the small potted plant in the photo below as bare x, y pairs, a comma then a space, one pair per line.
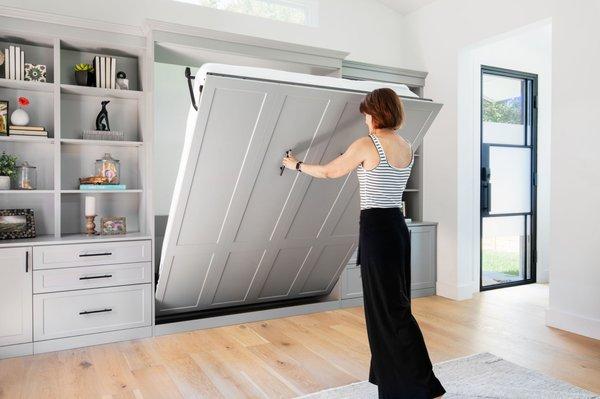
8, 167
82, 73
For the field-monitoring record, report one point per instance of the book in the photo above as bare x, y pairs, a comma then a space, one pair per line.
22, 65
97, 70
108, 65
12, 62
102, 187
103, 72
26, 127
6, 63
28, 133
17, 63
113, 73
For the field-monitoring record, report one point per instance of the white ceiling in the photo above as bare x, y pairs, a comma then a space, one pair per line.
406, 6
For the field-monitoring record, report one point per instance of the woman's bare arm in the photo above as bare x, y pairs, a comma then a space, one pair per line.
340, 166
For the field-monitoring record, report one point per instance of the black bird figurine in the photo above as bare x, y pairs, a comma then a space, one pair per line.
102, 118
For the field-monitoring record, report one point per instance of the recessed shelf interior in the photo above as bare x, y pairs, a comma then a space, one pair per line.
40, 155
107, 205
79, 161
40, 108
126, 63
78, 113
36, 52
41, 203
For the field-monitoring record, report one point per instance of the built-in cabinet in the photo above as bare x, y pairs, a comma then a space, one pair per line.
59, 296
64, 289
15, 296
422, 265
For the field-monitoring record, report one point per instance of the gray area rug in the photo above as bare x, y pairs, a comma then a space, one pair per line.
478, 376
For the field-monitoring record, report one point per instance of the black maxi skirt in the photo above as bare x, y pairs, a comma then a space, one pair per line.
400, 364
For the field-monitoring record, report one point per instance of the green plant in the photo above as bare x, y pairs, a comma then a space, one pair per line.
8, 164
83, 68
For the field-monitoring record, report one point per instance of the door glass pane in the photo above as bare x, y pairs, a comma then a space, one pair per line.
503, 116
503, 250
510, 179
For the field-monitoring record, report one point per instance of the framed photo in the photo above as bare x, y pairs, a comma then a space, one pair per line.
16, 223
3, 118
113, 226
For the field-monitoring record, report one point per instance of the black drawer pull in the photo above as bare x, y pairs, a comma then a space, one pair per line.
98, 254
96, 311
93, 277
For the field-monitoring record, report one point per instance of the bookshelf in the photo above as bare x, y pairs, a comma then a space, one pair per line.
66, 110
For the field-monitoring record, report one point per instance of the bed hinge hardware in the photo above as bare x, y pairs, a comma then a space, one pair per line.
189, 77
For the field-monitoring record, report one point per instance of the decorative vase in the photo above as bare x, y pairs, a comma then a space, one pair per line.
19, 117
4, 182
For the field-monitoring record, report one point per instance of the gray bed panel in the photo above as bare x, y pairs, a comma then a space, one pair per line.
238, 232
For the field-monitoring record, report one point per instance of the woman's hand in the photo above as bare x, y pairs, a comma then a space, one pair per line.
290, 161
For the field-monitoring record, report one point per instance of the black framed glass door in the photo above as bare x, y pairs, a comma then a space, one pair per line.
508, 177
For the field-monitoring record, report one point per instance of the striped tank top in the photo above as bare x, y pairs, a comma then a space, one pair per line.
383, 186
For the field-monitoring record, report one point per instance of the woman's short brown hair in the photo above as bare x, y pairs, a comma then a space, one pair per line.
385, 108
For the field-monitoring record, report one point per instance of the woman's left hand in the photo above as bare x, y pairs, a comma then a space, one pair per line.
290, 162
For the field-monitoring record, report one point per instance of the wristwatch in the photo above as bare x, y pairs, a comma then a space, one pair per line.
298, 166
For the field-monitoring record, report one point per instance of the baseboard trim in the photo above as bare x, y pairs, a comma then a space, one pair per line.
60, 344
248, 317
16, 350
454, 291
352, 302
570, 322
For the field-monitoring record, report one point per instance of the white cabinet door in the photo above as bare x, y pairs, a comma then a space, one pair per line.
423, 257
16, 294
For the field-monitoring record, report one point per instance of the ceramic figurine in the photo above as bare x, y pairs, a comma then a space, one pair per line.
102, 118
122, 81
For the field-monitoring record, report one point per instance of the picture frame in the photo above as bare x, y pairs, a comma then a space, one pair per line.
115, 225
17, 223
4, 118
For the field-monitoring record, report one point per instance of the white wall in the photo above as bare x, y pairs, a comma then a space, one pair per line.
367, 29
574, 193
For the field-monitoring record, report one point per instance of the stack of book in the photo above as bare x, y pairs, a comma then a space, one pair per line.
102, 187
14, 64
33, 131
106, 72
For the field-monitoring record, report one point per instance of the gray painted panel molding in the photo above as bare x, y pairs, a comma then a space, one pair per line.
240, 233
363, 71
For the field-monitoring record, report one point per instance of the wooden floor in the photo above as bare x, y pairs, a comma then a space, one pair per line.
303, 354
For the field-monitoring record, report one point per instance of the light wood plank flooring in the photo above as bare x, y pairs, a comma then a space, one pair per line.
303, 354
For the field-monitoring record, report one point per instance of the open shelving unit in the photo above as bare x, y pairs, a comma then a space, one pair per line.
66, 110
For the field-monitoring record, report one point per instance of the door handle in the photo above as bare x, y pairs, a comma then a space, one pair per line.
93, 277
95, 311
282, 168
96, 254
26, 261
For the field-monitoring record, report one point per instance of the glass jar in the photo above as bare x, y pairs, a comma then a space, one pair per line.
110, 168
26, 177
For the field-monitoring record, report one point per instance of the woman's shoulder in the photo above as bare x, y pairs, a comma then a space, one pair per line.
363, 142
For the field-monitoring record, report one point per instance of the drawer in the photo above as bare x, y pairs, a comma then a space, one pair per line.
57, 256
76, 278
66, 314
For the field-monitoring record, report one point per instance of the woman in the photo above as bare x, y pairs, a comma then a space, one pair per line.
400, 364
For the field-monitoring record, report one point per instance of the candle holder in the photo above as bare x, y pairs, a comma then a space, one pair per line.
90, 226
